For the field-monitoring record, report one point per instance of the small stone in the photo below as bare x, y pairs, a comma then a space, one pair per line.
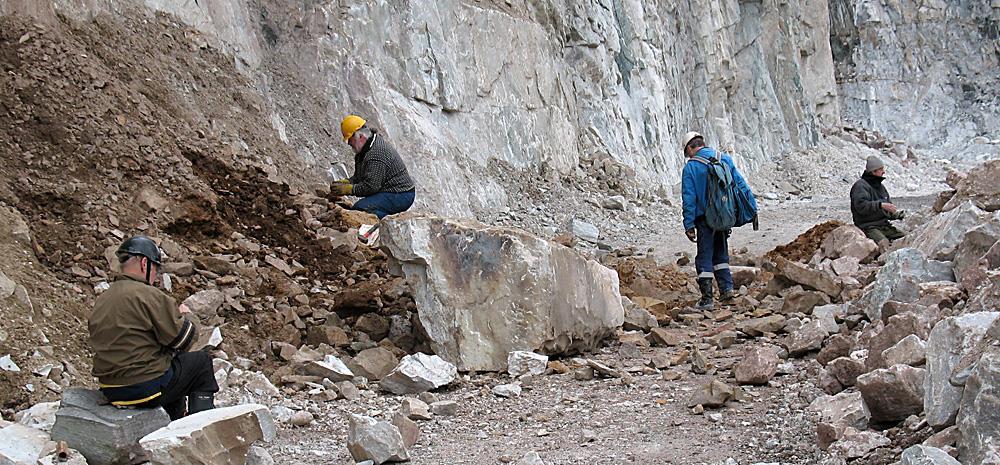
507, 390
408, 429
757, 366
7, 364
301, 418
444, 408
926, 455
857, 444
583, 374
378, 441
415, 409
331, 368
374, 363
715, 417
348, 390
671, 375
521, 363
418, 373
531, 458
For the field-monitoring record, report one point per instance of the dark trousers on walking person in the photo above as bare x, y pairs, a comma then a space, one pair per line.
386, 203
712, 262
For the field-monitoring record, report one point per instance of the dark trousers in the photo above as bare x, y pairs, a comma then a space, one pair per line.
192, 373
712, 260
386, 203
881, 233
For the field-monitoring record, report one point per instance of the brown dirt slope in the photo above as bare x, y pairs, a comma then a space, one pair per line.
128, 125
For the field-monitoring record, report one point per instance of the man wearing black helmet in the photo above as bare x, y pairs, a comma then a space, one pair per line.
140, 335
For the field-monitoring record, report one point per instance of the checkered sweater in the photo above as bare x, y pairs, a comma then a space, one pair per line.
378, 168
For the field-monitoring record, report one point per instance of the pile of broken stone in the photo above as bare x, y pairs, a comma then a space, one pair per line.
916, 351
905, 343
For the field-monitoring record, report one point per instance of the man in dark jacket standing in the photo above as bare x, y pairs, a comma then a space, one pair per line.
140, 337
871, 208
380, 176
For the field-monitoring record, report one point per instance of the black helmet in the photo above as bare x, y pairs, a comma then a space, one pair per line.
139, 245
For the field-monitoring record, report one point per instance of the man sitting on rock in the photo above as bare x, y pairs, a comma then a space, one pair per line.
139, 336
380, 176
871, 207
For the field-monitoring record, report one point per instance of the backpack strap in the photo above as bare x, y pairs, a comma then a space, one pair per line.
706, 161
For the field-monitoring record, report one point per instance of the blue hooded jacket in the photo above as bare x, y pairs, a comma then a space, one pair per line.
694, 185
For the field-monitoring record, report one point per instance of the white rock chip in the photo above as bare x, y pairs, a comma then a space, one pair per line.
521, 363
417, 373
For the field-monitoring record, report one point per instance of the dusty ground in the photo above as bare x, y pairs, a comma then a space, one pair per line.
643, 422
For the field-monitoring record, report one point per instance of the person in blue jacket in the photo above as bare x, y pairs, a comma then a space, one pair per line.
712, 259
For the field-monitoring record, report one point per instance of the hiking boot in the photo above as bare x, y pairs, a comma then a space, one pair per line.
705, 286
200, 401
727, 295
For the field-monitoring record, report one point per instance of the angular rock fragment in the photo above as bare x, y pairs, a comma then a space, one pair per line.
910, 350
23, 445
809, 337
849, 241
408, 429
939, 238
949, 341
893, 393
331, 368
810, 278
899, 280
374, 363
759, 326
926, 455
756, 366
521, 363
101, 432
415, 409
417, 373
378, 441
637, 318
484, 291
979, 415
857, 444
210, 437
837, 413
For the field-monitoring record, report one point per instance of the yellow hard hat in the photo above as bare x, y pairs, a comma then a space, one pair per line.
350, 124
688, 137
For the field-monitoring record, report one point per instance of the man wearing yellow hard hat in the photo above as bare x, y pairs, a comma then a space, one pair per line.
380, 176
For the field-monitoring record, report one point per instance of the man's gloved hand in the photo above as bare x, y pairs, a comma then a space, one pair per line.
342, 181
691, 234
339, 188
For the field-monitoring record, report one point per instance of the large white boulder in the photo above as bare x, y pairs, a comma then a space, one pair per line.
950, 340
979, 415
483, 292
899, 279
219, 436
